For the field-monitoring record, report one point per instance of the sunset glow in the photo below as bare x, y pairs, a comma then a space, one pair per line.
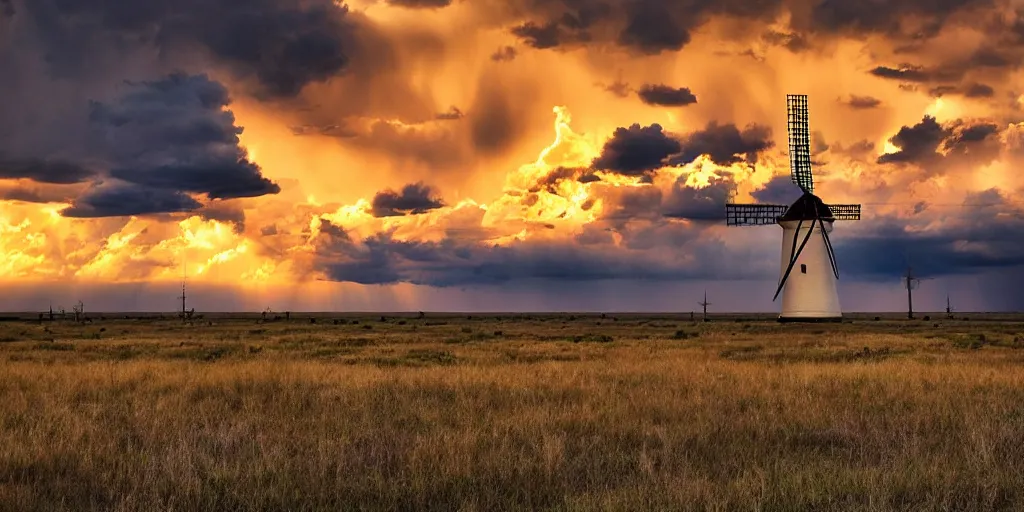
468, 146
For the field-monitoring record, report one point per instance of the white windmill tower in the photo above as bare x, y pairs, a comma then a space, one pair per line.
808, 273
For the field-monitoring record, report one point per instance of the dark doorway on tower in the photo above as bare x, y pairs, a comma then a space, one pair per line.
803, 268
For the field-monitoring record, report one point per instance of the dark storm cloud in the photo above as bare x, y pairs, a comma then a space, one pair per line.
989, 58
974, 90
651, 28
44, 170
567, 24
167, 137
383, 260
112, 200
958, 75
862, 102
961, 141
979, 91
977, 239
906, 73
725, 144
636, 150
420, 4
415, 198
645, 26
173, 134
917, 143
850, 18
31, 192
283, 44
667, 96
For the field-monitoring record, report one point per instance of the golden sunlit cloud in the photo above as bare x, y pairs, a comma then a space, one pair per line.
469, 135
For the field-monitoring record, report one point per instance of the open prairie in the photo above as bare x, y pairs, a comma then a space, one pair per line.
497, 412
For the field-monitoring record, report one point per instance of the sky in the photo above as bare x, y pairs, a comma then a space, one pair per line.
501, 155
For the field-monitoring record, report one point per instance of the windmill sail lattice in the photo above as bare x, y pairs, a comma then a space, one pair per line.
798, 127
810, 293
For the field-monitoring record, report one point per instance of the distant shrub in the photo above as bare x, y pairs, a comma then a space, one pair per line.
598, 338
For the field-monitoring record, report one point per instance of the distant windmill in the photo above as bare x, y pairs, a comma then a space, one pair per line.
810, 294
705, 305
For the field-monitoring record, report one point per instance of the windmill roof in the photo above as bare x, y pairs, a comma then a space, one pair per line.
804, 209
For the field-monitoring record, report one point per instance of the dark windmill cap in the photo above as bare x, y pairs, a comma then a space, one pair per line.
805, 207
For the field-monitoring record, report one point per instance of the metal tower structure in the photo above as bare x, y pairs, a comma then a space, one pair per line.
705, 305
811, 293
182, 297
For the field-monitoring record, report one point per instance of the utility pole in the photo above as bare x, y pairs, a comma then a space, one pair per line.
705, 305
182, 290
911, 280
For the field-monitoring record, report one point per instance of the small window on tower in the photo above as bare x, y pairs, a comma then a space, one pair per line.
803, 268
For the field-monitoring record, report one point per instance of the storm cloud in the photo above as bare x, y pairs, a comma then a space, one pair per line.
666, 96
974, 142
117, 199
282, 44
413, 199
636, 150
725, 144
977, 240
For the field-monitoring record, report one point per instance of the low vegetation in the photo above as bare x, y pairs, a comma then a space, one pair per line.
544, 412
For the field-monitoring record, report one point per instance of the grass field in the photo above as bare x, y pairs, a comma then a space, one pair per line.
485, 412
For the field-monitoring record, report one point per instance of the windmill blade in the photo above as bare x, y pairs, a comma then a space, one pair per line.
798, 128
828, 244
792, 250
828, 248
753, 214
793, 258
845, 211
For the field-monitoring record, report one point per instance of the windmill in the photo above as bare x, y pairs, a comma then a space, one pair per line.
809, 294
705, 305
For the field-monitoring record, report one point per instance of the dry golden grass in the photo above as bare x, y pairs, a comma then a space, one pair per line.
485, 413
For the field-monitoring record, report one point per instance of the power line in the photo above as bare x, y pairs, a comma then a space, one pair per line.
927, 204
